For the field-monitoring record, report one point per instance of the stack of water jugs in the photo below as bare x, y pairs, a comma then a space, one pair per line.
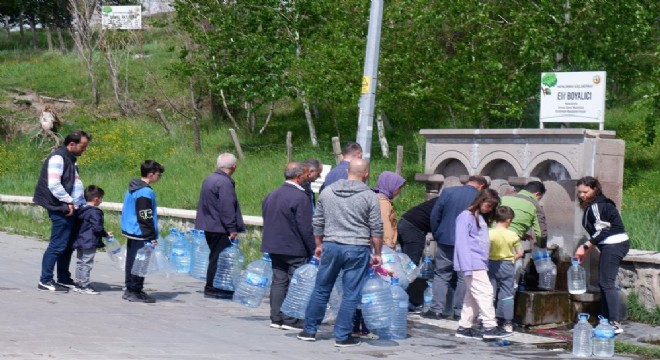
546, 268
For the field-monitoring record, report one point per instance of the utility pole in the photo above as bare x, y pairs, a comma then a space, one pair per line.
369, 79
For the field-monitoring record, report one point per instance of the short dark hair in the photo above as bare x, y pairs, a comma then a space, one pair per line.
504, 213
479, 180
151, 167
535, 187
93, 191
313, 163
76, 136
351, 148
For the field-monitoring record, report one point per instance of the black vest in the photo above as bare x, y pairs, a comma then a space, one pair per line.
42, 195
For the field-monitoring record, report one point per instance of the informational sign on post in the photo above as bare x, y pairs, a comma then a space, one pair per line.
121, 17
573, 97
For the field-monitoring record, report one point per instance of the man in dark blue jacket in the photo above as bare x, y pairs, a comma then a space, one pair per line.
219, 215
288, 238
349, 152
451, 202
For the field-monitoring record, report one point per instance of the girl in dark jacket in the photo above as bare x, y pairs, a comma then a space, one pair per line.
603, 222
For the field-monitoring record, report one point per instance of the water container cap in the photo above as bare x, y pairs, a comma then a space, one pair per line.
583, 316
314, 261
234, 241
427, 259
394, 281
429, 283
603, 320
266, 257
173, 229
575, 261
371, 272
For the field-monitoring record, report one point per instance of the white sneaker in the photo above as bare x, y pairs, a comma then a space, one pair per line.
86, 290
508, 327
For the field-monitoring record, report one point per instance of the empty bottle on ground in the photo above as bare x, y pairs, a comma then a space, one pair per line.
201, 252
180, 253
228, 271
399, 313
428, 297
426, 269
376, 302
254, 282
300, 290
582, 336
141, 263
548, 278
603, 340
577, 278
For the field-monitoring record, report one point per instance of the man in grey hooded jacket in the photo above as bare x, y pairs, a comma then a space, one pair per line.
347, 227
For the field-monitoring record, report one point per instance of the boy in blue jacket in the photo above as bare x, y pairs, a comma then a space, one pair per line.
139, 224
89, 229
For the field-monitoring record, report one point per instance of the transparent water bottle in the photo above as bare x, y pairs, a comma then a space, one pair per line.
577, 278
180, 253
542, 260
426, 269
335, 300
409, 266
399, 313
200, 261
603, 340
169, 240
141, 263
163, 266
428, 297
300, 290
113, 248
254, 282
582, 336
228, 271
548, 279
392, 264
376, 302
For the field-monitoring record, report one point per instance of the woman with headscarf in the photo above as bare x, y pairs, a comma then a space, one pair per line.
387, 188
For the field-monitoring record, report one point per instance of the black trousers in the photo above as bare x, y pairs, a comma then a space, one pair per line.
283, 268
133, 283
413, 242
610, 260
217, 242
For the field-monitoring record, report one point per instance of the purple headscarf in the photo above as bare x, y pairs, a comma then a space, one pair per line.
388, 182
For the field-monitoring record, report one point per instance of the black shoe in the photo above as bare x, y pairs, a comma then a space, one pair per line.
415, 309
52, 286
305, 336
495, 332
224, 294
138, 297
462, 332
350, 341
68, 283
433, 315
146, 298
296, 325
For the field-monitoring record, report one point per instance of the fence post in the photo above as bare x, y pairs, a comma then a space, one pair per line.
336, 148
163, 119
237, 145
399, 159
289, 147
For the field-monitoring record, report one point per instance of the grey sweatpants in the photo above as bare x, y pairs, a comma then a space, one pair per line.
84, 265
501, 274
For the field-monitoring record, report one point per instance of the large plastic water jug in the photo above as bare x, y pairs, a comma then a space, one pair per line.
399, 314
335, 300
392, 264
200, 261
582, 336
577, 278
428, 297
169, 240
376, 302
113, 248
141, 263
229, 267
254, 282
426, 269
161, 264
548, 278
300, 290
542, 260
409, 266
180, 253
603, 340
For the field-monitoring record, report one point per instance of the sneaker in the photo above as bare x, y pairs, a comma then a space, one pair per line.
276, 326
414, 309
67, 283
462, 332
138, 297
495, 332
145, 298
433, 315
297, 325
52, 286
366, 335
617, 327
508, 326
350, 341
86, 290
305, 336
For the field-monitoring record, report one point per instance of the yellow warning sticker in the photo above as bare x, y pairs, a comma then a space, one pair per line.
366, 84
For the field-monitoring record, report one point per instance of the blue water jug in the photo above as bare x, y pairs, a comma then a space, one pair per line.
169, 240
141, 263
426, 270
254, 282
180, 253
300, 289
603, 340
228, 271
399, 314
200, 259
376, 302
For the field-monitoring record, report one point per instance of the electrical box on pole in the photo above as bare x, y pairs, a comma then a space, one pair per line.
369, 79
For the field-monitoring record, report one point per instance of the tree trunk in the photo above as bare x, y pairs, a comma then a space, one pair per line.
224, 105
60, 38
49, 38
195, 124
114, 81
21, 20
384, 148
6, 21
270, 115
84, 40
308, 117
33, 27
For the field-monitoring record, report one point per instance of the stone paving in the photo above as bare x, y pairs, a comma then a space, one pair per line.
183, 324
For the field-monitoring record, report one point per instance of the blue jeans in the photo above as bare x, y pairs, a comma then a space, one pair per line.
58, 251
501, 273
353, 261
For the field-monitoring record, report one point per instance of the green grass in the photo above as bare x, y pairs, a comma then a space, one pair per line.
646, 352
637, 311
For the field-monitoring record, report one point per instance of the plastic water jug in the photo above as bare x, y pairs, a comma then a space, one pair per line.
335, 300
577, 278
229, 267
300, 289
582, 336
548, 279
428, 297
201, 252
141, 263
376, 302
409, 266
180, 253
399, 314
603, 340
113, 248
392, 264
161, 264
169, 240
542, 260
254, 282
426, 269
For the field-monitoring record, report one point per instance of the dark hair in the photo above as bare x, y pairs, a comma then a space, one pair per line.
93, 191
76, 136
151, 167
479, 180
504, 213
592, 183
313, 164
485, 195
294, 171
351, 148
535, 187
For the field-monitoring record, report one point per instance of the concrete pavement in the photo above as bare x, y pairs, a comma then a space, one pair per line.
183, 324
